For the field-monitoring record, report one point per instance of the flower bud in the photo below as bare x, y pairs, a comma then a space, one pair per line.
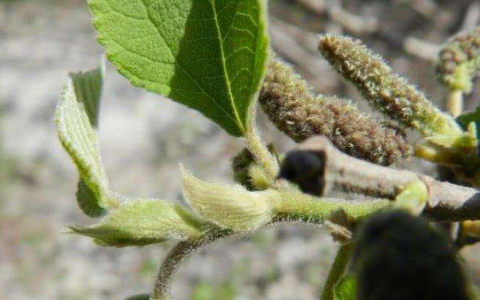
458, 62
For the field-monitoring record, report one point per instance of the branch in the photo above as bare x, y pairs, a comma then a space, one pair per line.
447, 202
339, 266
162, 287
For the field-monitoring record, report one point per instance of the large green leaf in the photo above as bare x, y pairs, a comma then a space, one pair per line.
209, 55
76, 116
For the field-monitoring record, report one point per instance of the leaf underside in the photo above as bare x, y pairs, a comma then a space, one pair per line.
140, 222
209, 55
76, 116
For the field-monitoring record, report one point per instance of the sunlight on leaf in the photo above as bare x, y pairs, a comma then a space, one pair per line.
208, 55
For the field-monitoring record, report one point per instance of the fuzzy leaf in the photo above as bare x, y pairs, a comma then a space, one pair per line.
230, 207
208, 55
345, 289
76, 116
88, 88
143, 222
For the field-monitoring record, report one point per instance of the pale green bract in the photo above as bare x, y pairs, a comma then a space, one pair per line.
143, 222
209, 55
75, 117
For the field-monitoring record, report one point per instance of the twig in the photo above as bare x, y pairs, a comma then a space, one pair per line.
351, 22
316, 6
447, 202
421, 48
472, 16
427, 8
162, 286
339, 265
293, 51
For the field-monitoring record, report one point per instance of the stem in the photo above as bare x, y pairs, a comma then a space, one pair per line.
293, 206
258, 149
446, 202
455, 103
338, 269
163, 282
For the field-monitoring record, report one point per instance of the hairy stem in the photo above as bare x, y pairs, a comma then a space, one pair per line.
162, 286
258, 148
446, 201
338, 269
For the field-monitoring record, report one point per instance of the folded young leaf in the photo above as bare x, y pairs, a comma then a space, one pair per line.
144, 222
88, 87
76, 116
230, 207
208, 55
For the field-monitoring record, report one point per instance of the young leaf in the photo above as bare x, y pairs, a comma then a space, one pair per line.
345, 289
88, 88
144, 222
75, 117
230, 207
208, 55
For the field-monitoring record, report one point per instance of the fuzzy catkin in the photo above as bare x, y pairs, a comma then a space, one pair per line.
289, 104
458, 61
388, 92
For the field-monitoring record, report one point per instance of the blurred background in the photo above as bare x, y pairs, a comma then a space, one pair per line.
144, 137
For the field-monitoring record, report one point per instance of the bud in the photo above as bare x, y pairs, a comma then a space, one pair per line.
399, 256
458, 62
247, 173
230, 207
388, 92
291, 106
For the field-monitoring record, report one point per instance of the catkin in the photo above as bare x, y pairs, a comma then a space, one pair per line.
458, 61
289, 104
388, 92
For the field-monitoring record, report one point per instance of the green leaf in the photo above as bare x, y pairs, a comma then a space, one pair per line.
209, 55
75, 117
143, 222
345, 289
